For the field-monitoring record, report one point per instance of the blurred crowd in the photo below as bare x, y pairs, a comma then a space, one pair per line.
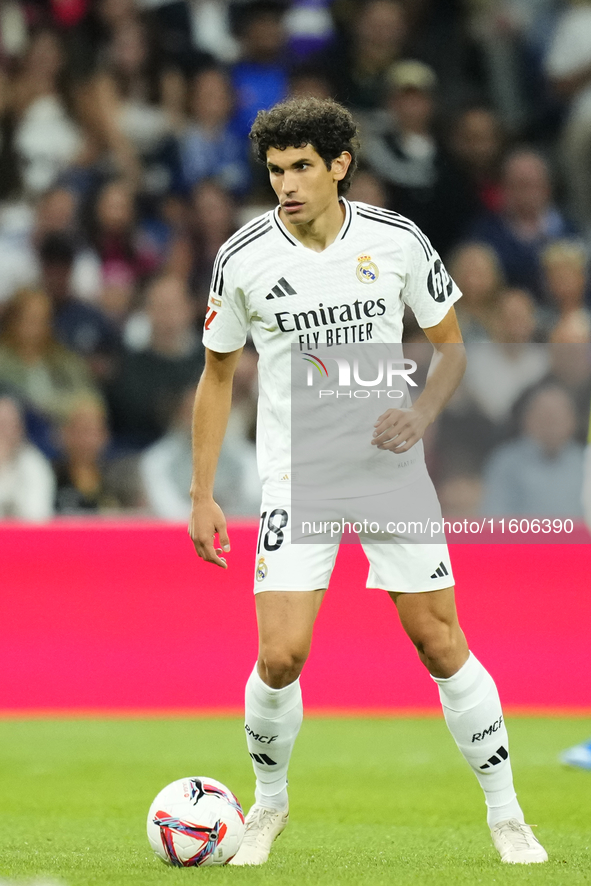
125, 164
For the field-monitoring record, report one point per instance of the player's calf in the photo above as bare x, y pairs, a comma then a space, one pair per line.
272, 721
431, 622
474, 716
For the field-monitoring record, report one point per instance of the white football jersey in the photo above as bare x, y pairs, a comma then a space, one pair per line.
266, 283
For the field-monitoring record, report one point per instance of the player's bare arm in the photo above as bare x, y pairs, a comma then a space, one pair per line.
213, 401
399, 429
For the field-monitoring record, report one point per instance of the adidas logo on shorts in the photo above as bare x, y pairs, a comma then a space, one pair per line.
440, 571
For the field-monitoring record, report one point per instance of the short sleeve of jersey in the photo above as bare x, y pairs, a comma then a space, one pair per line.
226, 320
428, 290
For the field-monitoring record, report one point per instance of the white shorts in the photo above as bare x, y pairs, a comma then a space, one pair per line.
400, 561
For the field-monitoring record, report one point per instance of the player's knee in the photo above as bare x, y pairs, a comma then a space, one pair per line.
438, 645
279, 667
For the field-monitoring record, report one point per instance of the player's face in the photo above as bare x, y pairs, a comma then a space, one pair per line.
304, 186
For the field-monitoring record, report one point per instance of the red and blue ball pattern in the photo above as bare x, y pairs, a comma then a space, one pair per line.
195, 822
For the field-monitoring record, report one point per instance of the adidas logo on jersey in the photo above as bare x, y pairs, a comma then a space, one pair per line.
281, 289
440, 571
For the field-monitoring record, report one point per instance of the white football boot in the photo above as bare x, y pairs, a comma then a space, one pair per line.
516, 843
262, 827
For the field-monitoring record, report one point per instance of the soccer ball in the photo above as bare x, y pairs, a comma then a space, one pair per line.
195, 821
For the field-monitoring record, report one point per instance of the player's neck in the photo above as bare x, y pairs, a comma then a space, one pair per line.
319, 233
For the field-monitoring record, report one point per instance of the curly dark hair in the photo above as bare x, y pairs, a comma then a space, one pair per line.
320, 122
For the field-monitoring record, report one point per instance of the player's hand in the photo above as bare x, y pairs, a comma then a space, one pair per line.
207, 518
399, 429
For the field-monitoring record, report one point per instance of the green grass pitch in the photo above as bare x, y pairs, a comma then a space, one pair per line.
373, 801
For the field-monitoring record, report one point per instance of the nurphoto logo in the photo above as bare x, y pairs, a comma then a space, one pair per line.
387, 372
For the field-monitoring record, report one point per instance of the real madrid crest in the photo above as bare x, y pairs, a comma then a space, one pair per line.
262, 569
367, 270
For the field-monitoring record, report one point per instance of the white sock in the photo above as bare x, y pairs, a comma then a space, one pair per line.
272, 722
472, 711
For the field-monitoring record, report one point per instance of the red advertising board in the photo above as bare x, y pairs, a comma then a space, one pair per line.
123, 617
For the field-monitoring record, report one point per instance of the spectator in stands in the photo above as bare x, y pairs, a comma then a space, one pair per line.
13, 33
309, 27
460, 495
26, 479
65, 15
118, 237
86, 482
94, 35
570, 364
117, 295
400, 147
566, 280
141, 392
477, 143
136, 106
166, 467
376, 32
211, 218
570, 368
572, 329
460, 442
526, 223
23, 227
516, 320
43, 372
208, 146
539, 474
171, 23
437, 35
113, 14
367, 188
48, 137
477, 271
260, 78
80, 326
57, 212
509, 36
309, 80
243, 417
498, 372
568, 66
17, 256
212, 31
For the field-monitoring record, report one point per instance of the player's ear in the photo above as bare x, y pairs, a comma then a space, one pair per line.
340, 166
